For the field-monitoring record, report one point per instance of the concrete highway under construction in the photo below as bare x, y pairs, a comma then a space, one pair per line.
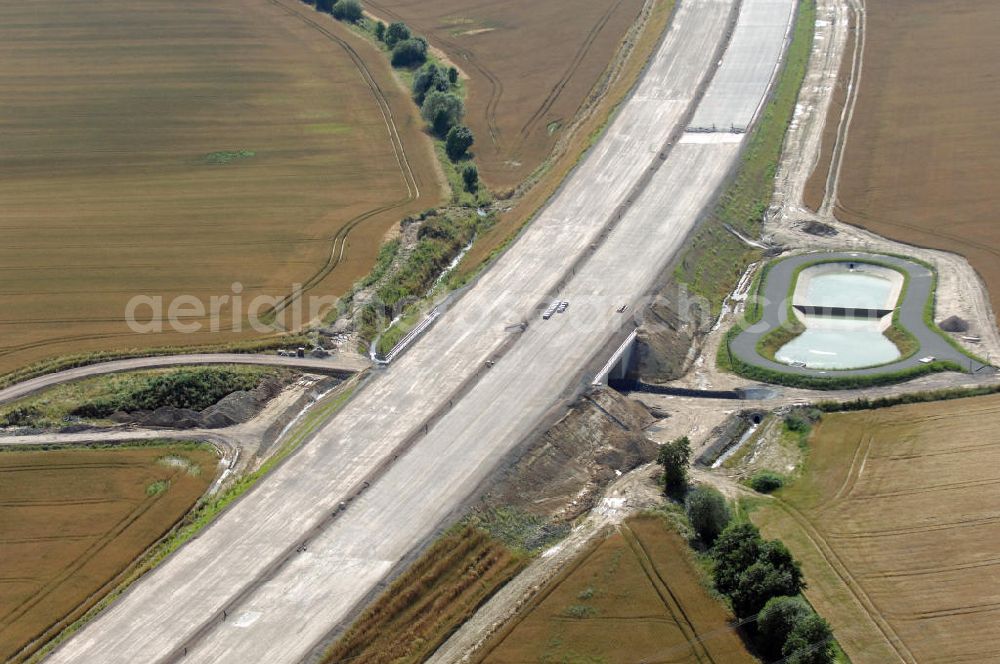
288, 564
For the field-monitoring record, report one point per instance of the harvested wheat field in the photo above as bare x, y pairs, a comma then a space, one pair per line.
897, 526
72, 520
636, 597
923, 151
530, 66
163, 148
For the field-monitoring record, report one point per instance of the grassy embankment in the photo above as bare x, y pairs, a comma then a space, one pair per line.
95, 399
207, 510
716, 258
84, 359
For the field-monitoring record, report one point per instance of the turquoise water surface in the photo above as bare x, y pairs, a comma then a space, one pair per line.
839, 343
848, 289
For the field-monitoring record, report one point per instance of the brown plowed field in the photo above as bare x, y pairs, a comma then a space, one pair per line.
165, 148
637, 597
72, 520
530, 65
897, 523
923, 150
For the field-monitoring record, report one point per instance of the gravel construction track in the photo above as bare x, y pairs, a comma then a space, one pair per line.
341, 364
285, 565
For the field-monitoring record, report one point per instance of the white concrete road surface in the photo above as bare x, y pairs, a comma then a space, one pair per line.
750, 64
436, 423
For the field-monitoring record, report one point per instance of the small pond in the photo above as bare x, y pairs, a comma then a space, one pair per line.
849, 289
838, 343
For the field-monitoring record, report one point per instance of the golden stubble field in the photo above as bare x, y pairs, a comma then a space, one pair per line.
166, 148
530, 65
923, 151
636, 597
897, 523
72, 520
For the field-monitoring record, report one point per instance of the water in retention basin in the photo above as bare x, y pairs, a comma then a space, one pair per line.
839, 343
849, 289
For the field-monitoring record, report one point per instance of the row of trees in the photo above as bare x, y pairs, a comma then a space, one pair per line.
433, 85
763, 581
761, 578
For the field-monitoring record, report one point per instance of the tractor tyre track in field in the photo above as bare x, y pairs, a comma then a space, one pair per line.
93, 550
847, 113
561, 84
413, 191
670, 601
496, 85
859, 594
853, 472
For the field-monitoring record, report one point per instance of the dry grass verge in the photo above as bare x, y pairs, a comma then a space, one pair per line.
431, 599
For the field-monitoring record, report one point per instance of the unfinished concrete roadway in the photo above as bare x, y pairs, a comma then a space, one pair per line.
429, 430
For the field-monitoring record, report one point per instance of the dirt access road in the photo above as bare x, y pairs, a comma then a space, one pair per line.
285, 565
341, 364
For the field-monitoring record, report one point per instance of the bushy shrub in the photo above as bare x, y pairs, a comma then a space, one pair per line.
458, 142
395, 33
442, 111
809, 642
430, 77
708, 513
777, 620
409, 52
674, 458
751, 570
20, 416
766, 481
470, 178
347, 10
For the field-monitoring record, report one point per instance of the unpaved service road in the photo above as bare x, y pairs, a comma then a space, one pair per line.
271, 578
340, 364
